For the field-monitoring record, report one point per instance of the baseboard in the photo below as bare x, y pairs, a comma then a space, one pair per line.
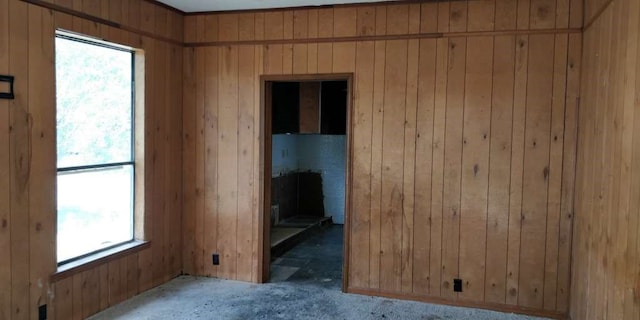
461, 303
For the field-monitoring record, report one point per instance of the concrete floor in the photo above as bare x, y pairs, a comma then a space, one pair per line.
305, 285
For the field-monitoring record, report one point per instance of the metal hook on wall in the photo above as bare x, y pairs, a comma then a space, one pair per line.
10, 94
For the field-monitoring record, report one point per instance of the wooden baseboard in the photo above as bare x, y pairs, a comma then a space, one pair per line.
460, 303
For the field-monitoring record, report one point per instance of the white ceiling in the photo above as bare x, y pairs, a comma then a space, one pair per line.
225, 5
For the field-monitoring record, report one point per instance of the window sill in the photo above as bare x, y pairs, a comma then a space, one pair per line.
95, 260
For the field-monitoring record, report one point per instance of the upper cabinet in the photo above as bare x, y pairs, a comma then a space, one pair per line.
310, 107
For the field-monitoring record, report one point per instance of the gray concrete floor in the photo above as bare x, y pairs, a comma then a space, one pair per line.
305, 285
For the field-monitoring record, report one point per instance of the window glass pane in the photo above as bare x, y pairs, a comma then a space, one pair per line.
94, 210
94, 104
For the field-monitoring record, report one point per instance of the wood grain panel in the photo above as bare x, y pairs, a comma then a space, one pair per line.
543, 14
376, 164
42, 153
606, 272
475, 166
200, 63
5, 175
536, 170
392, 165
481, 15
517, 162
409, 174
505, 15
361, 203
310, 107
568, 171
555, 171
226, 193
423, 165
425, 204
437, 182
207, 124
453, 141
245, 158
500, 168
20, 160
27, 136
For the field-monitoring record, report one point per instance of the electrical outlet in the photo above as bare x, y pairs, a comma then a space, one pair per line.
42, 312
457, 285
216, 259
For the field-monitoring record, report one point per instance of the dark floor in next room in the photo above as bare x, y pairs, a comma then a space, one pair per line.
318, 259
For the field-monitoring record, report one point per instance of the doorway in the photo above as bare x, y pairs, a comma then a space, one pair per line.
305, 155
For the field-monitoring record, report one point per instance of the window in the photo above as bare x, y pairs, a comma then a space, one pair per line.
95, 146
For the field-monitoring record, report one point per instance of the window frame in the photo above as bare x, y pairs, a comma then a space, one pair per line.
133, 159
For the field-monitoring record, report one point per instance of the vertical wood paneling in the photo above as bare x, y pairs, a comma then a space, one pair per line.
505, 16
443, 16
481, 15
517, 160
227, 190
475, 165
174, 119
536, 170
27, 180
568, 171
257, 167
500, 169
543, 14
408, 188
366, 21
344, 21
246, 102
300, 51
376, 164
200, 61
606, 272
555, 171
392, 165
19, 153
361, 203
76, 296
208, 126
426, 207
147, 258
423, 165
458, 16
325, 50
287, 51
64, 299
312, 48
453, 164
5, 175
429, 104
523, 14
437, 182
189, 191
42, 154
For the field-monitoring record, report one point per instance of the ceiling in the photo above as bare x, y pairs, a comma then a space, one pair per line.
226, 5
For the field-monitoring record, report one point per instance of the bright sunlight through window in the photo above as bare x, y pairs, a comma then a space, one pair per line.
95, 157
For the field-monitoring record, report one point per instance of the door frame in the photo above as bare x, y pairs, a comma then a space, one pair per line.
264, 243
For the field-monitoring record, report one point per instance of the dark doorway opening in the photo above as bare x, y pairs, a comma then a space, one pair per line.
306, 164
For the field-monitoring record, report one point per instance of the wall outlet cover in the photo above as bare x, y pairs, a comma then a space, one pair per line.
457, 285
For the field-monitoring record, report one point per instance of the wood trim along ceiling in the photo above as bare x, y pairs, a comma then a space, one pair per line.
381, 37
86, 16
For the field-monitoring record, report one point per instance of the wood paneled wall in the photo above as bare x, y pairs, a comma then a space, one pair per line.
463, 143
606, 257
28, 166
